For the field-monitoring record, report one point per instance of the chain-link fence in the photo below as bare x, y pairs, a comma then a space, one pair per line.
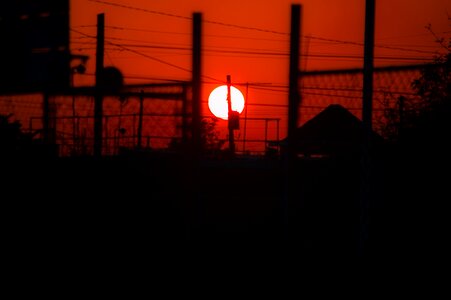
393, 94
158, 116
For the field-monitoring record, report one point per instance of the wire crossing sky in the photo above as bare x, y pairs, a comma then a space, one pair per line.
150, 41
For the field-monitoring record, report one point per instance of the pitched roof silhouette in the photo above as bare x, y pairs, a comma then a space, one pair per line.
333, 130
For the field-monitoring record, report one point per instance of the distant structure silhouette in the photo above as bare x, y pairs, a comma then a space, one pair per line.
334, 131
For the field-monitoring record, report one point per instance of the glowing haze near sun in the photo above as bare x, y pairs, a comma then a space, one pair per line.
217, 101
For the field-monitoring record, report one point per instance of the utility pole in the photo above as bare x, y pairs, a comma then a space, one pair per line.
98, 101
230, 116
367, 112
368, 65
293, 92
196, 142
293, 106
196, 79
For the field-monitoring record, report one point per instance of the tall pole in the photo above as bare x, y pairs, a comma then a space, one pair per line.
368, 65
229, 109
98, 102
196, 79
293, 90
367, 112
293, 106
196, 130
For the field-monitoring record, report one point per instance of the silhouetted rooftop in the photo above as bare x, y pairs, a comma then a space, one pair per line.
334, 130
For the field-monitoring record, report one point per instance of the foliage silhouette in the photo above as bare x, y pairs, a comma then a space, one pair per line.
427, 109
13, 141
417, 168
210, 136
431, 121
210, 141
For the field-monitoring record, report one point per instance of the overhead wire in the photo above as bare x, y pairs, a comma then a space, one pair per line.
147, 56
188, 18
264, 53
138, 53
185, 33
255, 28
141, 9
362, 44
318, 56
269, 52
252, 28
318, 39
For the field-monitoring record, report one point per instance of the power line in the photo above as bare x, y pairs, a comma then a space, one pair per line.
317, 55
361, 44
246, 27
409, 36
260, 52
282, 88
337, 41
138, 53
245, 38
263, 56
328, 40
142, 9
186, 33
172, 46
251, 54
133, 76
189, 18
148, 56
147, 30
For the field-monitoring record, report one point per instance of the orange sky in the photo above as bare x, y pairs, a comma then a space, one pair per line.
399, 23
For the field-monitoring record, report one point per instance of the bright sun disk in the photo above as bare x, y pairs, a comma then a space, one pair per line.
217, 101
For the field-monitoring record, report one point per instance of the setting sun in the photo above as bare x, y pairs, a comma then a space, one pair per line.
217, 101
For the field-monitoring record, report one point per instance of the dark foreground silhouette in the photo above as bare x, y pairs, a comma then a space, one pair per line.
160, 203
